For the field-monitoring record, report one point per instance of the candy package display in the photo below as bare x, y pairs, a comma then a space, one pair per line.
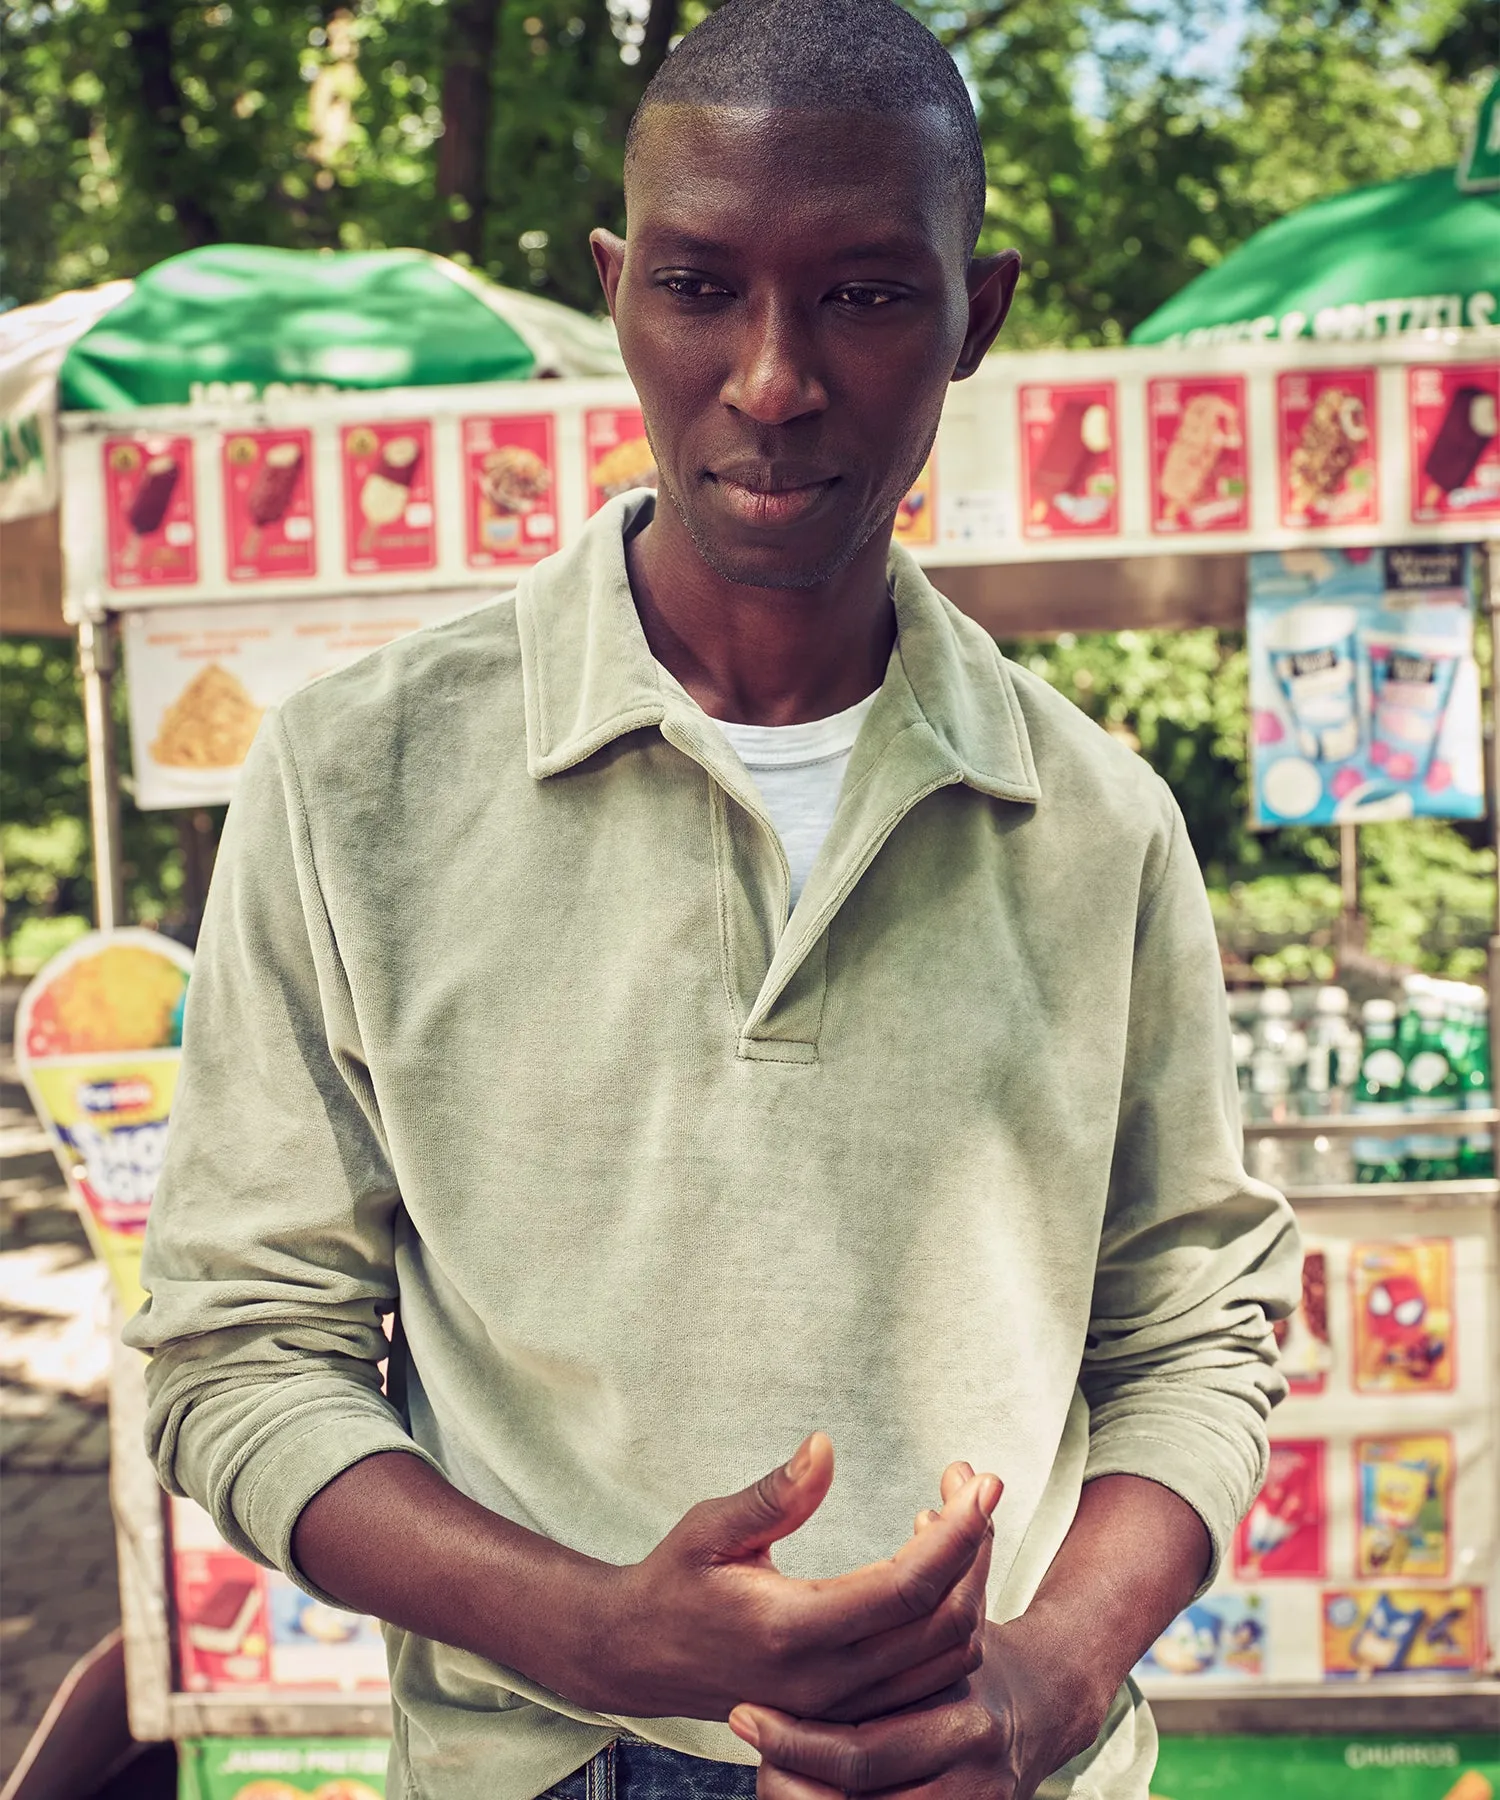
304, 1768
1363, 686
1375, 1631
1402, 1305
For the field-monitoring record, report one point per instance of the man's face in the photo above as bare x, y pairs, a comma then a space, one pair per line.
792, 300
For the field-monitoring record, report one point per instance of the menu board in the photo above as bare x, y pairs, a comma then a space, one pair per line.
201, 677
389, 522
240, 1626
1373, 1766
1069, 459
98, 1041
1327, 449
1364, 692
1200, 471
150, 517
268, 510
618, 454
1373, 1548
510, 480
1455, 442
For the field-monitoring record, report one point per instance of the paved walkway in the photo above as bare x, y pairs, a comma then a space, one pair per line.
58, 1590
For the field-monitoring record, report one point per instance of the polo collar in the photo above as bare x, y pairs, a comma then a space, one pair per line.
589, 676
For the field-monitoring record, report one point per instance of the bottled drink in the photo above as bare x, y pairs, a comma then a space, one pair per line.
1476, 1150
1268, 1158
1326, 1160
1432, 1088
1377, 1094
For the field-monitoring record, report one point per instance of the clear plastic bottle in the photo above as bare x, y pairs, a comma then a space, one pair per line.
1378, 1094
1432, 1089
1476, 1150
1269, 1158
1326, 1160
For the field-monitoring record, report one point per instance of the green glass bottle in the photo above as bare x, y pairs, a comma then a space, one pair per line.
1432, 1089
1476, 1150
1377, 1094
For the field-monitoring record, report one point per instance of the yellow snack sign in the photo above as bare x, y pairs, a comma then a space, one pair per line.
97, 1040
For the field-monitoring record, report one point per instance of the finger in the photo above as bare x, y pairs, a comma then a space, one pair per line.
913, 1582
953, 1479
926, 1517
912, 1686
862, 1759
729, 1528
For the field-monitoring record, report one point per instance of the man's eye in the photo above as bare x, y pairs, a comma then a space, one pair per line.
855, 295
693, 287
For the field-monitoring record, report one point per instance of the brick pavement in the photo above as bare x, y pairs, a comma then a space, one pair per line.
58, 1586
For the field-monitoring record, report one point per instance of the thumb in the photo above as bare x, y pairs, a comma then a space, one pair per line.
739, 1525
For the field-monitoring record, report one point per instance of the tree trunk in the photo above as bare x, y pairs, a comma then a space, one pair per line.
468, 107
167, 166
661, 28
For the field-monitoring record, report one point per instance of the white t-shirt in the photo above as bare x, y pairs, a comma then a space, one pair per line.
798, 770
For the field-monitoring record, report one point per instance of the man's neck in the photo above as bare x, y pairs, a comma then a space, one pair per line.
761, 656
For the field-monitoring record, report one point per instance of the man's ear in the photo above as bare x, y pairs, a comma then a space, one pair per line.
992, 287
609, 260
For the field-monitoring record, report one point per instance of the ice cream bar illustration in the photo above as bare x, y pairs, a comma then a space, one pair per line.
386, 489
224, 1618
1333, 435
272, 491
1080, 432
1209, 427
1468, 427
148, 507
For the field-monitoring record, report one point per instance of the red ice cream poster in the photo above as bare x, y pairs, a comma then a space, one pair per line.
1285, 1532
510, 477
388, 514
1455, 442
268, 511
1199, 466
149, 512
223, 1627
1327, 448
1069, 460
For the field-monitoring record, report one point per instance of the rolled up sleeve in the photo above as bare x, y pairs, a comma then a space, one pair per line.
269, 1253
1197, 1259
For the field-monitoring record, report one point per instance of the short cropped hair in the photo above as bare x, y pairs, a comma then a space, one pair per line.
825, 55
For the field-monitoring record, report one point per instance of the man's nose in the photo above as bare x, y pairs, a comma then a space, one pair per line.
774, 378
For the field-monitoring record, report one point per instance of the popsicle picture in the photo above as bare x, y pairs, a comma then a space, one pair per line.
384, 494
388, 497
1068, 446
1197, 443
149, 497
272, 491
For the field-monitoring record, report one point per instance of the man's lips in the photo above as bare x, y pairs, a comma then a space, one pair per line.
771, 496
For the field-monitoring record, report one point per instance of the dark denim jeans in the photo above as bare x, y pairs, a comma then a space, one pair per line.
630, 1769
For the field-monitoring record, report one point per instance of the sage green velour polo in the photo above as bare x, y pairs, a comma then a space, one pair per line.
499, 1018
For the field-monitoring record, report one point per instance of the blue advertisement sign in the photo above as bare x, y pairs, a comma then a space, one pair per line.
1364, 692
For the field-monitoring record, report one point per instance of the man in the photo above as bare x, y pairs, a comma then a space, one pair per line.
711, 996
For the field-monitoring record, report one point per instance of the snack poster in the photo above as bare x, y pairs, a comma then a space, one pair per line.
618, 455
149, 511
1377, 1766
1402, 1307
98, 1041
1455, 442
510, 480
1370, 1632
916, 517
268, 509
1405, 1499
201, 677
1069, 469
1363, 686
1200, 470
389, 522
260, 1768
1219, 1637
1327, 448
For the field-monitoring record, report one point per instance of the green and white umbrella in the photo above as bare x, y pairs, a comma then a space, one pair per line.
235, 321
1406, 256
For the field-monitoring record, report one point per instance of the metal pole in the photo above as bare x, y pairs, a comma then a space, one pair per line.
96, 661
1490, 559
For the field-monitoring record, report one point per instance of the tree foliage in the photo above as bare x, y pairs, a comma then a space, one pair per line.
1130, 146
